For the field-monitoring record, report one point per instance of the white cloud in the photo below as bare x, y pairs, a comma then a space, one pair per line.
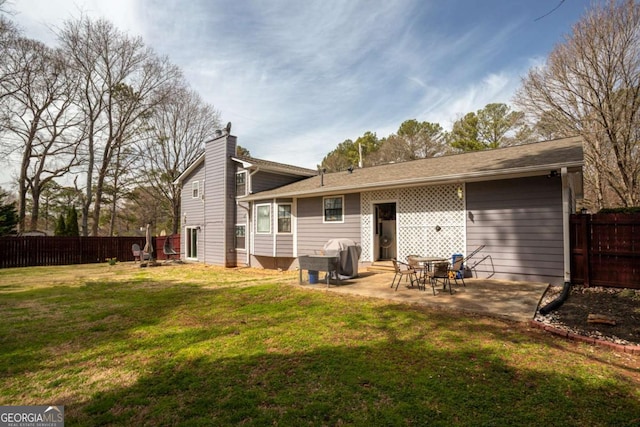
297, 78
41, 18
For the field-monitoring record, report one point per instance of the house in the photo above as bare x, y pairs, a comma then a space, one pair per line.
513, 202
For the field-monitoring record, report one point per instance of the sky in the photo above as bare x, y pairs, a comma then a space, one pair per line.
297, 77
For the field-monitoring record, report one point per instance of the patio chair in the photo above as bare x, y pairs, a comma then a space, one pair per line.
167, 248
419, 268
440, 273
137, 252
403, 270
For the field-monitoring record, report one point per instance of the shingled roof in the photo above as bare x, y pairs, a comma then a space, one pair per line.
516, 161
247, 161
274, 166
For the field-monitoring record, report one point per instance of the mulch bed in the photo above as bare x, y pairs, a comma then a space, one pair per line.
605, 305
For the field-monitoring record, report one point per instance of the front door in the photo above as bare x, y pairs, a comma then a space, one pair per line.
385, 241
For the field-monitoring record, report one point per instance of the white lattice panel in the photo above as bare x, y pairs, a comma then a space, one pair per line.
419, 211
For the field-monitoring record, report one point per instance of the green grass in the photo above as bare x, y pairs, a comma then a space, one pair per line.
196, 345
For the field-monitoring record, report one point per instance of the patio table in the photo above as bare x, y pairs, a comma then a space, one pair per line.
428, 263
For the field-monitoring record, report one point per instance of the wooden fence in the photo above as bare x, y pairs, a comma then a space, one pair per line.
28, 251
158, 244
605, 250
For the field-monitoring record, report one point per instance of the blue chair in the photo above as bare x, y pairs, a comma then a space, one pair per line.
457, 268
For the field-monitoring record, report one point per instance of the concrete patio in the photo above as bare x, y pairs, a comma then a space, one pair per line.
498, 298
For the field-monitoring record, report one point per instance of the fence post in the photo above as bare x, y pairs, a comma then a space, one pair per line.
585, 230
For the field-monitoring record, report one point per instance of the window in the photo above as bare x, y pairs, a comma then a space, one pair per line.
192, 243
240, 237
195, 189
263, 218
241, 183
284, 218
333, 209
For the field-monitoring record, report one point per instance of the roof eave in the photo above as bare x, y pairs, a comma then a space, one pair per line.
244, 163
189, 169
439, 180
271, 168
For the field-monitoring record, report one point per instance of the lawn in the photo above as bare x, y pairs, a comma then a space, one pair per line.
200, 345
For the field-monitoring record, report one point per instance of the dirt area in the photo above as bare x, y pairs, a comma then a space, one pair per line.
606, 305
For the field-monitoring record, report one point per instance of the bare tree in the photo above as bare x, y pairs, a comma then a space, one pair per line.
40, 121
590, 85
120, 85
8, 37
120, 178
176, 132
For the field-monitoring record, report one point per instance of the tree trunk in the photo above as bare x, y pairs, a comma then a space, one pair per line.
97, 204
86, 203
114, 198
35, 204
175, 215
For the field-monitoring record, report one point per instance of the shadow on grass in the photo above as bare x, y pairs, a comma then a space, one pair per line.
272, 354
384, 384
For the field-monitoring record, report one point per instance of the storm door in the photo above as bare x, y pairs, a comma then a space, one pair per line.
385, 239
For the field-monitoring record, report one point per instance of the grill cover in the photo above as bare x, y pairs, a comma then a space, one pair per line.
348, 253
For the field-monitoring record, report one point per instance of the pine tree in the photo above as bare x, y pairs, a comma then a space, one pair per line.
8, 215
61, 229
72, 228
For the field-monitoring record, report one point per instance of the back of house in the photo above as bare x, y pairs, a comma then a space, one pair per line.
508, 207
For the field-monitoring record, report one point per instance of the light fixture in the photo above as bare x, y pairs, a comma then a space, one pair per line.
460, 192
554, 173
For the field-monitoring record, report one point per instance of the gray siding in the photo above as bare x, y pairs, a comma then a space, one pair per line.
313, 233
230, 203
263, 181
284, 245
191, 209
219, 206
520, 222
263, 245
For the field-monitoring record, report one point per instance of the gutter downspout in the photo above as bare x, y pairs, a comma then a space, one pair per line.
202, 238
274, 227
255, 171
566, 240
566, 288
556, 303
